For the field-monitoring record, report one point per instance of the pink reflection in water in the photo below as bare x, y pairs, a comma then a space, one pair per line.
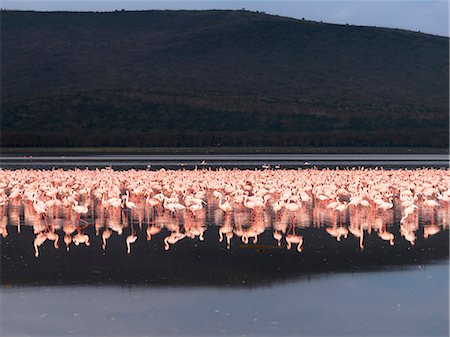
242, 203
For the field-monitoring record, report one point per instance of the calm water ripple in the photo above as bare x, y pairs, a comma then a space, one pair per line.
228, 161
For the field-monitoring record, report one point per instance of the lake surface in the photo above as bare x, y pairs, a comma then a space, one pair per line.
229, 274
225, 160
208, 288
411, 302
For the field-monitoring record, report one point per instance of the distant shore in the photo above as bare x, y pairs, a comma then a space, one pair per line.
218, 150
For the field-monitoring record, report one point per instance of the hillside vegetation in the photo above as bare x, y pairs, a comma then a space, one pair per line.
217, 78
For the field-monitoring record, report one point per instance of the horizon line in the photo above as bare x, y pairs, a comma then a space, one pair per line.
222, 10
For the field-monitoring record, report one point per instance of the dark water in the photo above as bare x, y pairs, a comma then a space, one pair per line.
223, 160
202, 288
191, 262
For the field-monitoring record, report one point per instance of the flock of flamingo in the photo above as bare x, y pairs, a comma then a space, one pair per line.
177, 204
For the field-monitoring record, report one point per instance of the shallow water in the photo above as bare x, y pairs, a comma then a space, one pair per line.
403, 303
227, 161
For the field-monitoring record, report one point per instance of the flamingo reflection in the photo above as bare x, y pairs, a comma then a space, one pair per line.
242, 202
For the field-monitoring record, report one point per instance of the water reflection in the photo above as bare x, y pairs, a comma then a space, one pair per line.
241, 224
405, 303
244, 223
212, 247
226, 214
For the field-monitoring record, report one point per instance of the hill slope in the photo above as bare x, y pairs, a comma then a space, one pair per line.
168, 78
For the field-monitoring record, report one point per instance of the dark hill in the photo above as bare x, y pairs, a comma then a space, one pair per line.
168, 78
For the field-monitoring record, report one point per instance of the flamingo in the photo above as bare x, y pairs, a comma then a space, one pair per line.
172, 239
194, 208
105, 236
115, 202
430, 230
387, 236
42, 192
342, 231
248, 203
354, 201
407, 212
67, 241
173, 207
39, 207
333, 231
38, 241
129, 204
80, 209
278, 206
225, 206
385, 205
80, 239
131, 239
52, 236
430, 203
152, 230
68, 230
334, 204
294, 239
341, 207
293, 206
359, 233
277, 236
